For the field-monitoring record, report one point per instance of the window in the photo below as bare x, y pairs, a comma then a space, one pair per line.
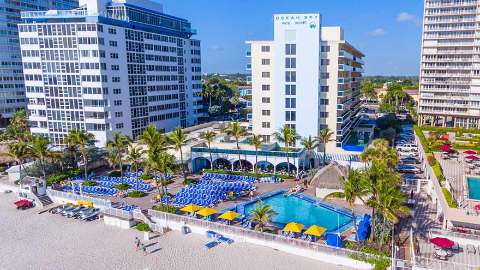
265, 48
114, 55
323, 101
117, 103
265, 100
265, 124
266, 87
112, 31
112, 43
115, 67
290, 62
325, 75
119, 125
290, 103
290, 49
325, 48
118, 114
290, 89
266, 138
115, 79
265, 62
325, 62
290, 116
324, 89
323, 114
117, 91
290, 76
265, 74
266, 112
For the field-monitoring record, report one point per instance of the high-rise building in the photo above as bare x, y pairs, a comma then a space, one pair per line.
450, 64
110, 66
308, 77
12, 91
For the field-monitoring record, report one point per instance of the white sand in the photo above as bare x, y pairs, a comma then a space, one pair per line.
44, 241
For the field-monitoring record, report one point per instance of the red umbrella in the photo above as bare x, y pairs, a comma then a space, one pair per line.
477, 207
442, 242
472, 157
446, 148
444, 137
470, 152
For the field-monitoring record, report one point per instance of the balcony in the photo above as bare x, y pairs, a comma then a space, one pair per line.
248, 67
248, 54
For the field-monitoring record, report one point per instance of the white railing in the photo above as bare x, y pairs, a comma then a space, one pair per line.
435, 264
54, 13
118, 213
97, 202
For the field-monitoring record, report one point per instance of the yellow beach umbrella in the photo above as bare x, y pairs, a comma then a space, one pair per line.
191, 208
293, 227
229, 215
315, 230
205, 212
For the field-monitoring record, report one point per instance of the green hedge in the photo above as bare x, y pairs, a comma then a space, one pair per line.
143, 227
165, 208
122, 186
422, 139
189, 181
59, 177
89, 183
457, 131
146, 177
449, 198
136, 194
258, 175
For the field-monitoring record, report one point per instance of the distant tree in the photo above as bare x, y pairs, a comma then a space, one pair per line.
257, 142
177, 139
288, 137
237, 131
368, 90
309, 144
325, 136
209, 136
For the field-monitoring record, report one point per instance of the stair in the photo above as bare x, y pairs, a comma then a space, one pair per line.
45, 200
145, 218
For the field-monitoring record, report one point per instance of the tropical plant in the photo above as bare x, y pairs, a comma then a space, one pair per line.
380, 150
324, 137
19, 151
368, 90
262, 216
309, 144
237, 131
209, 136
161, 163
135, 158
288, 137
112, 158
39, 149
257, 142
177, 139
354, 188
154, 140
118, 145
18, 129
82, 140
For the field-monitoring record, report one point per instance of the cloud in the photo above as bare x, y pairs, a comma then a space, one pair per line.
377, 32
406, 17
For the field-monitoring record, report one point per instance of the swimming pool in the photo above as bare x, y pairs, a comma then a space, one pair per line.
302, 209
473, 188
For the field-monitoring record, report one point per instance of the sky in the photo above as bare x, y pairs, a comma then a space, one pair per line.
388, 32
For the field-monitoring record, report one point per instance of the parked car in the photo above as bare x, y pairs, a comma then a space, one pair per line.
76, 211
69, 209
91, 214
408, 169
409, 160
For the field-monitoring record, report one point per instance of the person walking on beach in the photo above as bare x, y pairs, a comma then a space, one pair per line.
137, 243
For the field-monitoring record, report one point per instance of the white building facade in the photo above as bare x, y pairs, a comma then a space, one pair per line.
308, 78
110, 66
450, 64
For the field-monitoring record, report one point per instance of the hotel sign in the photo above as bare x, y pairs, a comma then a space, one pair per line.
308, 20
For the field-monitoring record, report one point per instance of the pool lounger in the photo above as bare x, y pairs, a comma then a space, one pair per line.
225, 240
212, 244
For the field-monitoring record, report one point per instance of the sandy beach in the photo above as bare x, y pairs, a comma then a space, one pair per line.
44, 241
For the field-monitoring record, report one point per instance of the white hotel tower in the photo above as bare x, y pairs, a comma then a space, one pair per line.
450, 64
307, 77
109, 66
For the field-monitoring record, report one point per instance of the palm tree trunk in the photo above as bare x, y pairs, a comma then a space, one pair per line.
20, 163
324, 154
136, 173
288, 159
354, 222
120, 162
239, 157
85, 164
211, 157
183, 167
256, 161
43, 170
372, 231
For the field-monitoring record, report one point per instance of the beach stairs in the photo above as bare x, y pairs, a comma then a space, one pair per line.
142, 215
45, 200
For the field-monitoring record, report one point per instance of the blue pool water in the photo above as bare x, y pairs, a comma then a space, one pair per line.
473, 188
304, 210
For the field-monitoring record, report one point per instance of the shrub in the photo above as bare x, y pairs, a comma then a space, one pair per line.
61, 176
136, 194
143, 227
114, 174
165, 208
189, 181
449, 198
146, 177
89, 183
431, 159
122, 186
422, 138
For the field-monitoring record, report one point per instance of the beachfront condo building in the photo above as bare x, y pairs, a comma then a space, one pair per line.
110, 66
308, 77
12, 90
450, 64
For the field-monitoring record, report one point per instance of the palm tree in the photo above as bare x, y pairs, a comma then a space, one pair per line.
380, 150
38, 148
354, 188
112, 157
70, 140
135, 158
154, 140
237, 131
19, 152
324, 137
262, 215
161, 163
209, 136
257, 142
177, 138
120, 143
82, 140
309, 144
287, 136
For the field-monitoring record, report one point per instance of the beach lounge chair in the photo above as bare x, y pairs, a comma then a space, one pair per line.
212, 244
225, 240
